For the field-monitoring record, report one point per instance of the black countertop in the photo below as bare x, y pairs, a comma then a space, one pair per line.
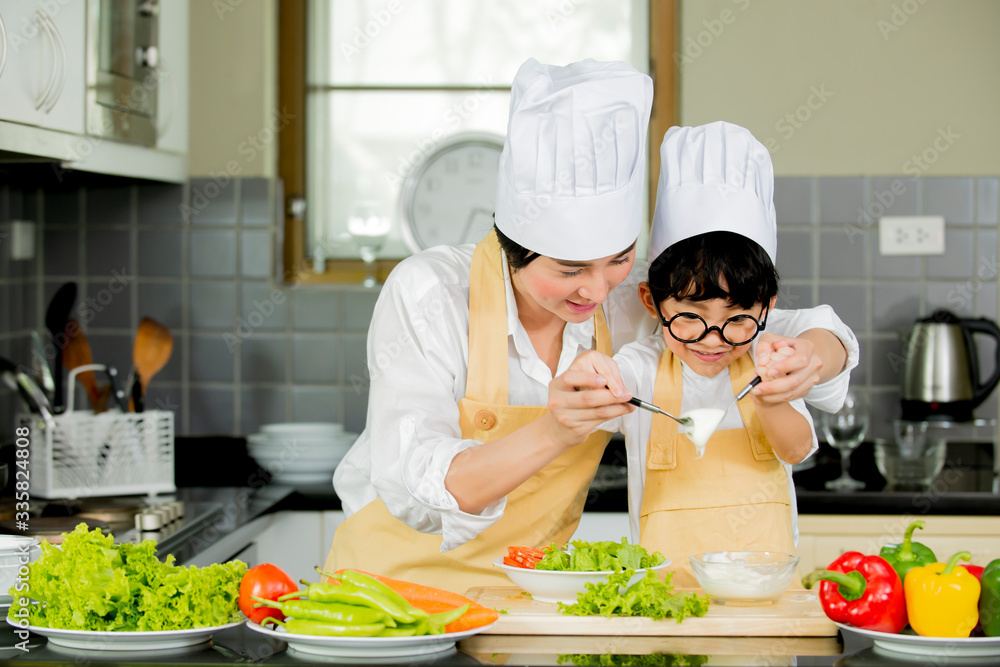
217, 511
966, 486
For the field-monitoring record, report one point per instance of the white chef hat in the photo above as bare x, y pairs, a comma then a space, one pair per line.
714, 177
573, 165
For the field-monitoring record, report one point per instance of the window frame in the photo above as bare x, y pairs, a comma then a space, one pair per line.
295, 267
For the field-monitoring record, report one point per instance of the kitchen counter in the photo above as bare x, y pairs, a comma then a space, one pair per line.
241, 645
967, 486
217, 512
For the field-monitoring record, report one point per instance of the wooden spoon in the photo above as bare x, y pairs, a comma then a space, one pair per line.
150, 352
75, 353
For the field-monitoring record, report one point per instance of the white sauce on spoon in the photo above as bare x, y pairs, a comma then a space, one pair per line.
704, 421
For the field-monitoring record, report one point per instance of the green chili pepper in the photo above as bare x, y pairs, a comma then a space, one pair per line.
365, 581
328, 611
989, 599
365, 597
908, 555
421, 627
439, 621
296, 626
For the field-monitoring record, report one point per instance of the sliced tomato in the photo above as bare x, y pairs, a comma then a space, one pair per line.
525, 556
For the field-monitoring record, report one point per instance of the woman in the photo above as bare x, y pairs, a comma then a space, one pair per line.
477, 438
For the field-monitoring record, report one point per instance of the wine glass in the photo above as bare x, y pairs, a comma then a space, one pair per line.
844, 430
369, 228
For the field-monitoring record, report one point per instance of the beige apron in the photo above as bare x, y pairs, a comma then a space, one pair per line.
733, 498
545, 508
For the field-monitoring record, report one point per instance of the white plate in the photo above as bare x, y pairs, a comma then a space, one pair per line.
968, 647
367, 647
93, 640
303, 478
561, 585
303, 428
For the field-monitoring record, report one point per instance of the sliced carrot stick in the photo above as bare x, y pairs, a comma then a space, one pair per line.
436, 600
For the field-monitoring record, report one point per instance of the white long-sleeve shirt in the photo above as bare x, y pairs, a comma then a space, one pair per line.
638, 363
418, 361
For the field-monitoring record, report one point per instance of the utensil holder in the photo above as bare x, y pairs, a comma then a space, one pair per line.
80, 454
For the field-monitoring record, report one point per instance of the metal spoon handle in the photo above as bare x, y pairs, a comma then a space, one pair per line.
652, 408
746, 390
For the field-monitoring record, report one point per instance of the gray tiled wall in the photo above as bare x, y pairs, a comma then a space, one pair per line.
246, 351
828, 253
249, 352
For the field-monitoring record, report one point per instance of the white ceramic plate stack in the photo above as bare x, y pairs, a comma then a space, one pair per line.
15, 551
300, 453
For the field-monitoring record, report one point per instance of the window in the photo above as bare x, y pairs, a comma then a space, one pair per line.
387, 82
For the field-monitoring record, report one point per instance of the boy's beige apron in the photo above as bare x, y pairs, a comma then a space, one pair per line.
545, 508
733, 498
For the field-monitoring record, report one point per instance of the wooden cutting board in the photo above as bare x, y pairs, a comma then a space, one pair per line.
797, 614
540, 650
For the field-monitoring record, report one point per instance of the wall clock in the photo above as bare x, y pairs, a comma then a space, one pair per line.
448, 199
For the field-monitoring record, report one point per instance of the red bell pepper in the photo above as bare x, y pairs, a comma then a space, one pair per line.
977, 572
861, 591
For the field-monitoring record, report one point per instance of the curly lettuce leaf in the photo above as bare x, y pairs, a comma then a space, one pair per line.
599, 556
650, 597
90, 583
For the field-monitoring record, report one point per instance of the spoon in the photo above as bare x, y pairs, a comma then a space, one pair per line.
40, 364
685, 421
76, 353
150, 353
55, 321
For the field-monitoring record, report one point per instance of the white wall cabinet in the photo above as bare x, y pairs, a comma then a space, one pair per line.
823, 538
42, 47
43, 85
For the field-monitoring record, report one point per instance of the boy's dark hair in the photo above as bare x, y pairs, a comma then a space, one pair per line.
691, 269
518, 256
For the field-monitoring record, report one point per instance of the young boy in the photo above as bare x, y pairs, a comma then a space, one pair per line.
712, 285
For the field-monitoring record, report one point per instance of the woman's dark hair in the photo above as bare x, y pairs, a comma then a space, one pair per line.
692, 269
518, 256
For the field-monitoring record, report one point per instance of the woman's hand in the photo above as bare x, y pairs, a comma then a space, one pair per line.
789, 368
588, 394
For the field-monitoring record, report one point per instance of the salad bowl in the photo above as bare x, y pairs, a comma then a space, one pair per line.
562, 585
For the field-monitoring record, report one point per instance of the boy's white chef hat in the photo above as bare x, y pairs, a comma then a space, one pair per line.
714, 177
572, 169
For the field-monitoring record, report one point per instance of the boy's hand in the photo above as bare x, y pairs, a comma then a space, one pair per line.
789, 367
589, 393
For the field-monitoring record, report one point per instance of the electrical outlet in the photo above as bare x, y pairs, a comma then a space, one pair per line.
22, 239
911, 235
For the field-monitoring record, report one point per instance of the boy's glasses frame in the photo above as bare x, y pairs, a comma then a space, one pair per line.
759, 324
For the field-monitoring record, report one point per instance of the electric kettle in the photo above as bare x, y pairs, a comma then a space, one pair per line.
941, 368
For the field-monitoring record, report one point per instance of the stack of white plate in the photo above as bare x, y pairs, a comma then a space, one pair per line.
15, 552
300, 453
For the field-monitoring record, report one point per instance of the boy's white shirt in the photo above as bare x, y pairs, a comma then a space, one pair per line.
638, 363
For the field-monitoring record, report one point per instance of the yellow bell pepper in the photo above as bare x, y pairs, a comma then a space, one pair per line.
942, 599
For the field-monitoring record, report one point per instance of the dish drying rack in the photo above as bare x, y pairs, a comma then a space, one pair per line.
80, 454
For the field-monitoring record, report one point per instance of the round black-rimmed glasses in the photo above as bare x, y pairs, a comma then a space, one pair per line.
736, 331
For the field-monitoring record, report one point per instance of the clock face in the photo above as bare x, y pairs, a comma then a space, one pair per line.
449, 200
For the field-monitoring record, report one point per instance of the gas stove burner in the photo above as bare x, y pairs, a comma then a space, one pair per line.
117, 511
52, 528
